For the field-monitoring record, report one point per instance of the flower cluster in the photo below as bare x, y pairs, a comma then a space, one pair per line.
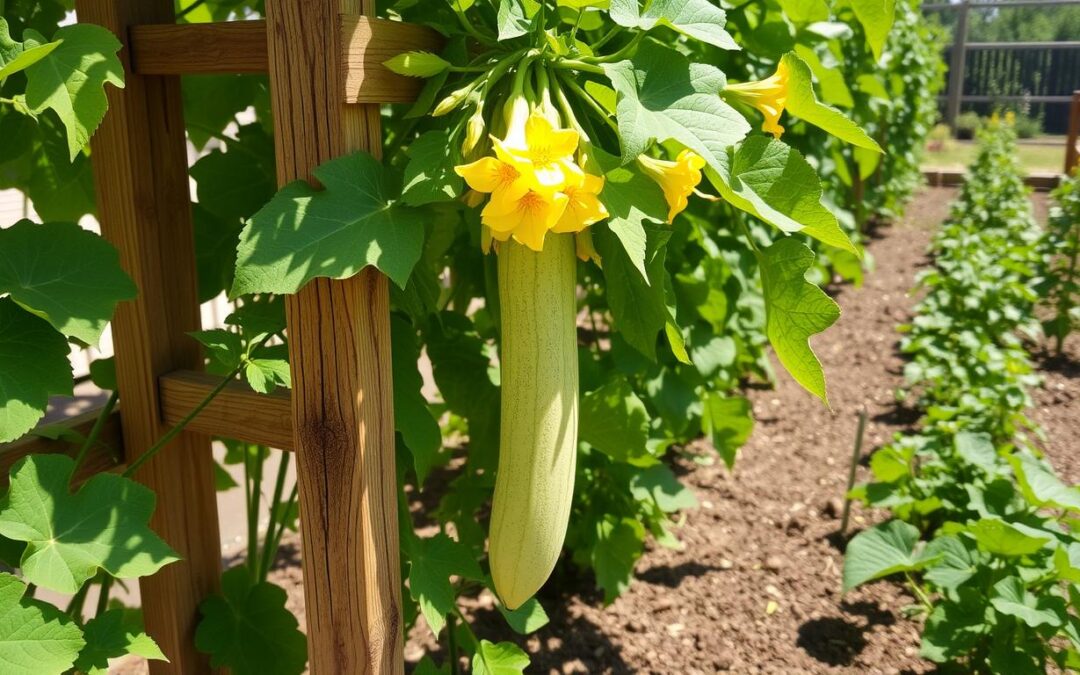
535, 184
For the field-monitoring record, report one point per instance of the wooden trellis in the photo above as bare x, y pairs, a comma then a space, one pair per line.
326, 80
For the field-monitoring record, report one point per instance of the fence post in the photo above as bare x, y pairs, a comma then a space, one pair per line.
339, 348
143, 204
1072, 152
957, 65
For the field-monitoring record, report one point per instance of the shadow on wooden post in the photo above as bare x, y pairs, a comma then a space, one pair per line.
339, 342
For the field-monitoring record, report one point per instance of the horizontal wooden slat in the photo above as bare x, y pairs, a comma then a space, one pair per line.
237, 412
367, 43
104, 456
199, 48
240, 47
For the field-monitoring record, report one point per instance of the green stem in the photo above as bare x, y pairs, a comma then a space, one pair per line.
574, 64
103, 595
748, 235
622, 53
577, 24
281, 525
463, 19
190, 8
269, 553
615, 30
77, 602
253, 466
95, 432
567, 109
451, 641
919, 593
585, 96
179, 426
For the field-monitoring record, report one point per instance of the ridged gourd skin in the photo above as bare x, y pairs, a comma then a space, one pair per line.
534, 486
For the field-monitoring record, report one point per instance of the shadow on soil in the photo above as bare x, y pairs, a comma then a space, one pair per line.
836, 640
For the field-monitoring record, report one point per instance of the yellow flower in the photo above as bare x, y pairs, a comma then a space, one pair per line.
1010, 118
583, 205
677, 179
527, 218
489, 174
768, 95
543, 148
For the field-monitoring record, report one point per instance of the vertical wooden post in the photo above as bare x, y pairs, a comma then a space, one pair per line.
339, 341
143, 203
957, 65
1072, 151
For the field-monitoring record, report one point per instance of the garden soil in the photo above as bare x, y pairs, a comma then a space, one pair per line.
757, 587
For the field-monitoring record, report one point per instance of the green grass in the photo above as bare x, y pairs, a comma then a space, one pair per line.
959, 154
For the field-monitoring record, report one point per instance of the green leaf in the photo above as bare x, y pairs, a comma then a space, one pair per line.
235, 184
638, 305
614, 421
412, 415
1007, 539
978, 450
1040, 486
795, 310
35, 637
225, 348
265, 375
699, 19
249, 630
429, 175
770, 180
526, 619
659, 484
619, 543
876, 17
71, 80
68, 276
632, 199
504, 658
512, 20
103, 373
833, 86
882, 550
728, 421
212, 102
805, 11
1012, 598
663, 96
70, 536
35, 367
302, 233
432, 561
957, 561
802, 102
890, 464
110, 636
16, 57
954, 629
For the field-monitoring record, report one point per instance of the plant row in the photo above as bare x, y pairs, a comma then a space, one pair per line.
983, 531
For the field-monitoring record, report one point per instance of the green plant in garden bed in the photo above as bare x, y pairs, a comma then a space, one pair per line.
1060, 287
984, 532
678, 235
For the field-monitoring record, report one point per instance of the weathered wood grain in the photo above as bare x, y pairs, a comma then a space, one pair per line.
143, 203
339, 342
241, 47
237, 412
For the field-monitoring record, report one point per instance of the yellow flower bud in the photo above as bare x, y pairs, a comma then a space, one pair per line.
474, 133
456, 98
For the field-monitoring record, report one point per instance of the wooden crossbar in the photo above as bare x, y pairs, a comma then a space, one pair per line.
237, 412
101, 457
241, 47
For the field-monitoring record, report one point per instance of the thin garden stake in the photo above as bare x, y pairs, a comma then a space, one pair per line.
856, 455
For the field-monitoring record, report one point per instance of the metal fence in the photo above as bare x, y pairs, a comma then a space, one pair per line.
1037, 77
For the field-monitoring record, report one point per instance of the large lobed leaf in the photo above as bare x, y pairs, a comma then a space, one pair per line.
303, 233
69, 536
662, 96
68, 276
698, 19
71, 79
795, 310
